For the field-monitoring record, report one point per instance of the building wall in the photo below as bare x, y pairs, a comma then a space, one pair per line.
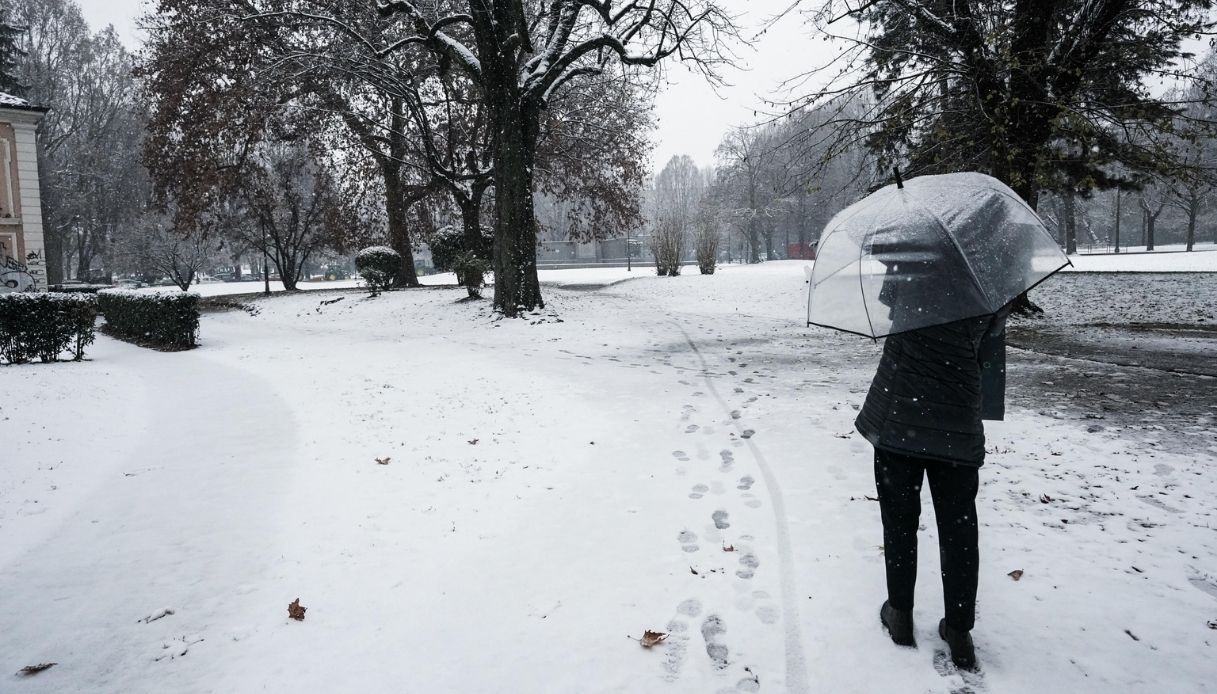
29, 195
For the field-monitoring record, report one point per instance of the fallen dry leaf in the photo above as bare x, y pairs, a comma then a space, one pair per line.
383, 461
1213, 623
296, 611
728, 548
473, 442
693, 571
30, 670
1016, 574
1044, 499
651, 638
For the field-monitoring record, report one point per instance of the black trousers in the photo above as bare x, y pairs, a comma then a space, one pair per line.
953, 488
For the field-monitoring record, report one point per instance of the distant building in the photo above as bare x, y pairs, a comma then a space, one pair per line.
22, 248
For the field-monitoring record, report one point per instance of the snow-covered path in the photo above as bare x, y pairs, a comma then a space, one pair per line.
552, 488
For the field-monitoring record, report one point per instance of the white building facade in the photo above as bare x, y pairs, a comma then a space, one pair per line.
22, 241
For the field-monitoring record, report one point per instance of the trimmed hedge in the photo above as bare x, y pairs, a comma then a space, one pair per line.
379, 266
158, 319
45, 326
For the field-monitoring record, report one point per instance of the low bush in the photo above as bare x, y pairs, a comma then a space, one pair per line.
45, 326
470, 272
379, 266
167, 320
450, 252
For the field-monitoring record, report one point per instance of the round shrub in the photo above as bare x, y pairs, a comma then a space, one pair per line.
451, 253
379, 266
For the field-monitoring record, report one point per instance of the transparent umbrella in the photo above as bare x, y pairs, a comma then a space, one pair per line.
937, 250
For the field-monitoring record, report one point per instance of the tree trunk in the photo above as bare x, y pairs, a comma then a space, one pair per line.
1071, 224
396, 211
516, 286
1192, 205
1150, 221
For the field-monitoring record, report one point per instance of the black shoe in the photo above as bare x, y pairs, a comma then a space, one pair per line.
963, 653
899, 624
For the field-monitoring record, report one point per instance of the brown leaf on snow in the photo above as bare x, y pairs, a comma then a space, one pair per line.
383, 461
728, 548
296, 611
473, 442
1045, 499
30, 670
1016, 574
652, 638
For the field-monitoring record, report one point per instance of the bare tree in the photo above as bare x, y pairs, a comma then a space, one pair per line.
521, 53
293, 203
88, 141
707, 237
679, 188
153, 249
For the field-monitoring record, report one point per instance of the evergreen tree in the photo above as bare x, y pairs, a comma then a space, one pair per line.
10, 54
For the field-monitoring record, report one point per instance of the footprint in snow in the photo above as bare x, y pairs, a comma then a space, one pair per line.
690, 607
688, 540
720, 520
699, 490
691, 428
745, 483
748, 564
681, 456
675, 647
748, 433
713, 631
766, 610
750, 500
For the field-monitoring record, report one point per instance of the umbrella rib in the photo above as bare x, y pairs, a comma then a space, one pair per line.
870, 231
971, 272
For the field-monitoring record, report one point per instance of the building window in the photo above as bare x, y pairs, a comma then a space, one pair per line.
7, 208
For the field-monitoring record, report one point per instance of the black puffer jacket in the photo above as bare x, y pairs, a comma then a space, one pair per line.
926, 399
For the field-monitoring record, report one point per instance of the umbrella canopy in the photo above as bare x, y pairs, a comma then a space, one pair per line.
940, 249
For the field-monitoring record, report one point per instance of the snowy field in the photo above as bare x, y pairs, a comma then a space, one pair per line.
666, 454
1202, 260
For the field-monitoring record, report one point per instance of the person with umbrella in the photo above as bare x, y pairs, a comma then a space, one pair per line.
932, 266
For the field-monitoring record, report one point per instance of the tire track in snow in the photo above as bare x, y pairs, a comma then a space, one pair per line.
796, 665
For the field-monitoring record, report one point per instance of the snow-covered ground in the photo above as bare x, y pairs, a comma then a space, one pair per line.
1202, 260
667, 454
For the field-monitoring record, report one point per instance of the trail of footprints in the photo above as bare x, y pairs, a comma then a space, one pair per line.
711, 635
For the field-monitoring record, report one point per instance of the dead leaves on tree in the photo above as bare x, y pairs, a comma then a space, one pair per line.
296, 611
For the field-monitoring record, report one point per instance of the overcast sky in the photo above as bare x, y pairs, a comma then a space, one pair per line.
692, 117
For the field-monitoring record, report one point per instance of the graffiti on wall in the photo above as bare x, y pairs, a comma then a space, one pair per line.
15, 276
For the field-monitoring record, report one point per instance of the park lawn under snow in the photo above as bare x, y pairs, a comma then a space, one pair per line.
1204, 259
667, 454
